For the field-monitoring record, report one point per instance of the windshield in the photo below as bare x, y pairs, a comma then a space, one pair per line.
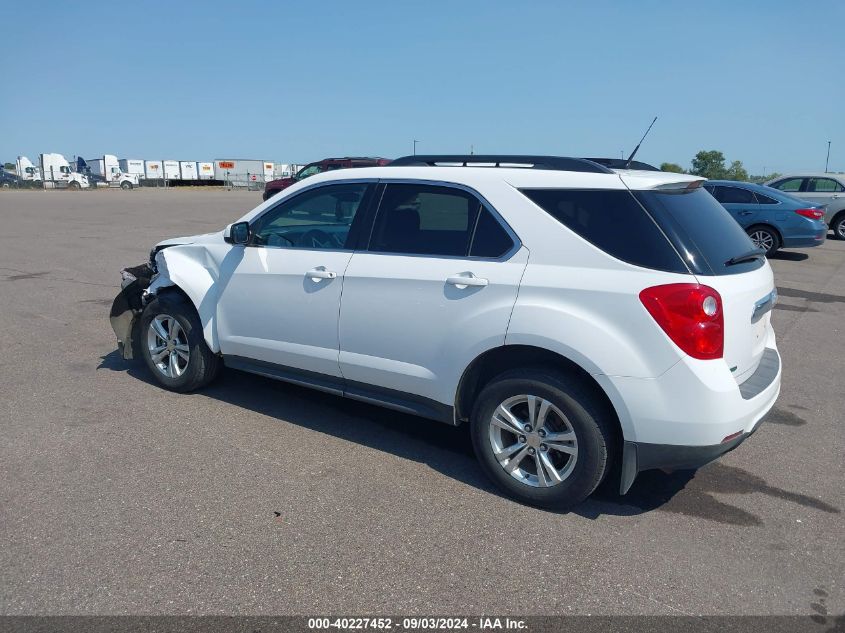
701, 229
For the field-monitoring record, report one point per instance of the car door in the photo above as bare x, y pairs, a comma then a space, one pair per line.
823, 191
739, 202
434, 289
280, 305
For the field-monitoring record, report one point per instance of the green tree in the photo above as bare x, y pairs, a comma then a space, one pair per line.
736, 171
761, 179
9, 166
673, 167
710, 164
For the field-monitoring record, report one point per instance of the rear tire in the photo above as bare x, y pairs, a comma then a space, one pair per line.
765, 238
838, 226
557, 461
173, 347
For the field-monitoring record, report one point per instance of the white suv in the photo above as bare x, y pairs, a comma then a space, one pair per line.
584, 321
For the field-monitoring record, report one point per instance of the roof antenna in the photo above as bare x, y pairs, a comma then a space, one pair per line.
634, 153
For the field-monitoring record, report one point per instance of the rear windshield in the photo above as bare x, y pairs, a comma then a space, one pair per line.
701, 229
613, 221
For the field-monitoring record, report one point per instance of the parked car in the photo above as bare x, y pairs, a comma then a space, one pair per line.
636, 336
818, 188
772, 219
8, 180
327, 164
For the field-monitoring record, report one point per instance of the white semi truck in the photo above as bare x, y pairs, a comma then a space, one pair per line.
57, 173
106, 172
25, 170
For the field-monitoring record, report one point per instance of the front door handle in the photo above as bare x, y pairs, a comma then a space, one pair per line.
320, 272
466, 279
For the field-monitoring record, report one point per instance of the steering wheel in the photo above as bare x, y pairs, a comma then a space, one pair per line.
316, 238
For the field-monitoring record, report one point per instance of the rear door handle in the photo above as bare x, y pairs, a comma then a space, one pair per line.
320, 272
466, 279
746, 212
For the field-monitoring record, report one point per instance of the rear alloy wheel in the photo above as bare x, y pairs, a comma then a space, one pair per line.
544, 438
764, 238
838, 226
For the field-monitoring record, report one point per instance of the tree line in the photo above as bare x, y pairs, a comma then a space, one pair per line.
711, 164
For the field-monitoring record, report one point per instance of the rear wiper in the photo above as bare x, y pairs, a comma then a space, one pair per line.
746, 257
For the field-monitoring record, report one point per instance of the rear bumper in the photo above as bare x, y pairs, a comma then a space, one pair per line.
637, 457
802, 241
693, 414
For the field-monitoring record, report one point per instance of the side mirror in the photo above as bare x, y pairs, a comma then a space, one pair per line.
237, 233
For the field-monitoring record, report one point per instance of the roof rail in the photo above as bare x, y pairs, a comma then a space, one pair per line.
622, 163
556, 163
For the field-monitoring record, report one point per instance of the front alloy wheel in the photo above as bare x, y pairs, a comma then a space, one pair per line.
167, 343
533, 441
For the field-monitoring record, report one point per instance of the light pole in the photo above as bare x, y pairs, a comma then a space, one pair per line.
415, 146
827, 160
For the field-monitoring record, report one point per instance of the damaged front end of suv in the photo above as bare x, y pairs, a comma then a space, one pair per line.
129, 303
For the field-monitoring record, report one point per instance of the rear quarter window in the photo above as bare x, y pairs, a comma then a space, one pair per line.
613, 221
700, 228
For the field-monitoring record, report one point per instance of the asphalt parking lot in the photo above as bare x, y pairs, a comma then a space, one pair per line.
255, 497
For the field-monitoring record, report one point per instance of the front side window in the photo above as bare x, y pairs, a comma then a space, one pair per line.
788, 184
424, 220
319, 218
824, 185
733, 195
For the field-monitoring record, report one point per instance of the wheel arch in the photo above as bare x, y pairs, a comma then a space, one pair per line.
497, 360
182, 269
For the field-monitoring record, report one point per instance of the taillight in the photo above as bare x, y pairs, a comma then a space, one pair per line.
815, 214
691, 315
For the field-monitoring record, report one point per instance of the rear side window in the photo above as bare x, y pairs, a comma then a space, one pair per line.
824, 185
701, 228
424, 220
733, 195
613, 221
761, 199
490, 239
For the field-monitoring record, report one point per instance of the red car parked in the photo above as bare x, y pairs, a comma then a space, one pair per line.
327, 164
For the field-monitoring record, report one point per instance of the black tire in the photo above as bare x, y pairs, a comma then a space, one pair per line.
838, 226
203, 365
768, 234
75, 186
588, 416
5, 185
126, 185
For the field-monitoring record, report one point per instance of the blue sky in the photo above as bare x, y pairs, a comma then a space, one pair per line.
297, 81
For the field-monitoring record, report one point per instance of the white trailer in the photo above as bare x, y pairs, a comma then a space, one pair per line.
59, 175
188, 170
153, 170
240, 172
205, 170
171, 169
25, 170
